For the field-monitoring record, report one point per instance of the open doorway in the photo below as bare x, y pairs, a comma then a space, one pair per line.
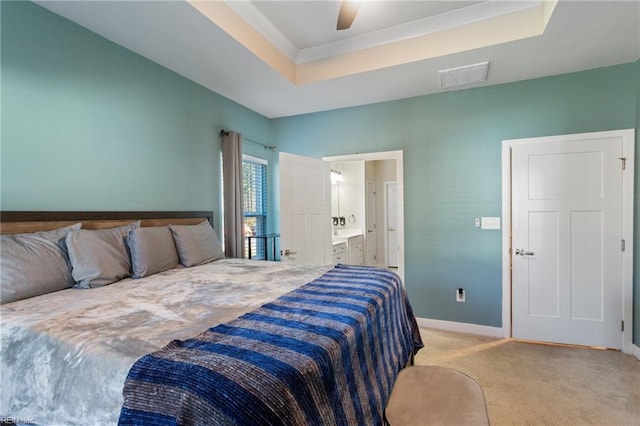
370, 198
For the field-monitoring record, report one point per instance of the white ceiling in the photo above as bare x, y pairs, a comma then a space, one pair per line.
313, 23
580, 35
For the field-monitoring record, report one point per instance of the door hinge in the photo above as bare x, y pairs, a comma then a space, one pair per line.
622, 245
621, 325
624, 162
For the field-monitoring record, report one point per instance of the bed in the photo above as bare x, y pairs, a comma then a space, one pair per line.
229, 341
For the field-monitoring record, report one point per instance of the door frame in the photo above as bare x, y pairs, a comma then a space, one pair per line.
387, 183
386, 155
628, 148
370, 256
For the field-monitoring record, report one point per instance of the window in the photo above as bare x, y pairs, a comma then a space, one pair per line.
254, 205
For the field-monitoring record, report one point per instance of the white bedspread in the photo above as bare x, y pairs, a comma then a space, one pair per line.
65, 355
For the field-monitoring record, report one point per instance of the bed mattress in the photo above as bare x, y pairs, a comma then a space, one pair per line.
324, 354
66, 355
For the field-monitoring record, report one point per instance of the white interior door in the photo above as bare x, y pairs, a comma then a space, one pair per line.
567, 241
391, 209
371, 236
305, 210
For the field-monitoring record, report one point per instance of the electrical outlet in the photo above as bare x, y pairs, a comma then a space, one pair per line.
460, 294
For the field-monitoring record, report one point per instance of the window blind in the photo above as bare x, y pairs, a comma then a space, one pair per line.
254, 190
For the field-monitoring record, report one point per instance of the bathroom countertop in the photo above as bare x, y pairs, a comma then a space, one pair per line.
345, 234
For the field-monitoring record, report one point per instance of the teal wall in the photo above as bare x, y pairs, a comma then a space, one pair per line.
452, 169
89, 125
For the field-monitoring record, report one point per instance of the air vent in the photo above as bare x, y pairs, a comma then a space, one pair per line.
464, 75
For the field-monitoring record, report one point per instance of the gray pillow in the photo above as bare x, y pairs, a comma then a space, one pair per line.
152, 250
196, 244
99, 257
33, 264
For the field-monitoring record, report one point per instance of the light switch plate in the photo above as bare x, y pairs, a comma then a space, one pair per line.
490, 223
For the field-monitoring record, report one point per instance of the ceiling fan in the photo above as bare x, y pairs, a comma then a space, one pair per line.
348, 12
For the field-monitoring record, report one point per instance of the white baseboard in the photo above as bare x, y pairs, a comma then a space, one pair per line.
635, 351
462, 327
483, 330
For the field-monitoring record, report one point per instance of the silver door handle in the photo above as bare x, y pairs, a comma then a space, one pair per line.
521, 252
286, 252
369, 230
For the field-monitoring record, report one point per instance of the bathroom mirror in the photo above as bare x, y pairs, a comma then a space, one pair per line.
336, 179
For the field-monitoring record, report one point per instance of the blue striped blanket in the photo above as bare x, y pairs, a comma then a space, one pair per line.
326, 353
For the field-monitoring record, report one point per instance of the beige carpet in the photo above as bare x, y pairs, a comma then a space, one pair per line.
531, 384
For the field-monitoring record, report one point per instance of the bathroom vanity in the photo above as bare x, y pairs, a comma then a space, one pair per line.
348, 247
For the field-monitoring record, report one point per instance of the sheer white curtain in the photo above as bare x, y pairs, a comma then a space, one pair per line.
232, 192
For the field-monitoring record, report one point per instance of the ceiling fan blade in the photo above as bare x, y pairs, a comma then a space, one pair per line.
348, 12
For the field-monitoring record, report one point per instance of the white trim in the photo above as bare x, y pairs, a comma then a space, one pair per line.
506, 239
461, 327
635, 351
254, 17
628, 147
371, 259
484, 330
386, 155
386, 220
628, 199
456, 18
453, 19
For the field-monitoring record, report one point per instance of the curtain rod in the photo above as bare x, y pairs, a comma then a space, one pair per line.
224, 132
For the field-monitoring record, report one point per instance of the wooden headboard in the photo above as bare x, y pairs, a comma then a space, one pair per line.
16, 222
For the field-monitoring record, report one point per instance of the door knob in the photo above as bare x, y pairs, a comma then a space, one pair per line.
522, 252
